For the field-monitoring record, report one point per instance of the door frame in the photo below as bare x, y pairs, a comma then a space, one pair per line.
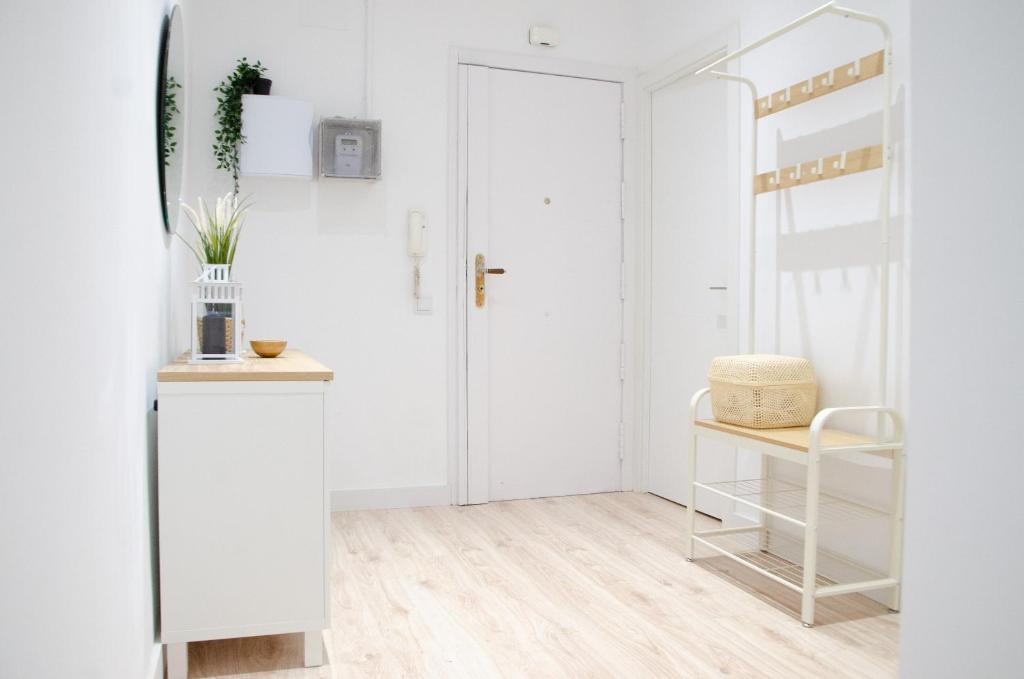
457, 297
678, 67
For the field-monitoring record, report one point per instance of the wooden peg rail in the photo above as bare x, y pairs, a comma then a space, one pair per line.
824, 83
829, 167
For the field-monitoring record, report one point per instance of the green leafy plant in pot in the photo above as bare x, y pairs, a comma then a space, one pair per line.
245, 79
217, 233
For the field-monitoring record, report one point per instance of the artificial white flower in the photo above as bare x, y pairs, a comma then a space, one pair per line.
191, 213
204, 223
217, 232
221, 211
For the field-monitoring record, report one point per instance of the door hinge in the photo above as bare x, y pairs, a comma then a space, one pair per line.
622, 361
622, 441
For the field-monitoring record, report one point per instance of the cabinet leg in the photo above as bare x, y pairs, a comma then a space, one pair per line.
177, 660
314, 648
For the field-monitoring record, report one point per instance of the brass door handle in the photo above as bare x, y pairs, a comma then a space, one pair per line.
481, 274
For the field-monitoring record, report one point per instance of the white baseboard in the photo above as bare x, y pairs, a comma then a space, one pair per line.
156, 663
390, 498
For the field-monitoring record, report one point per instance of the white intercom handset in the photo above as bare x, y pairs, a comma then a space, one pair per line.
417, 224
417, 234
348, 154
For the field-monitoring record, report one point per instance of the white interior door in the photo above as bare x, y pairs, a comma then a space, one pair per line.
543, 170
693, 310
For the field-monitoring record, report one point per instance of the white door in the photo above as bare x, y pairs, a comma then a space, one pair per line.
543, 171
693, 312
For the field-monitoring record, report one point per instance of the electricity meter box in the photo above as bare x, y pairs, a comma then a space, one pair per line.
350, 148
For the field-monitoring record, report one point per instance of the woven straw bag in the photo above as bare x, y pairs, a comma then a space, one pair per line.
763, 391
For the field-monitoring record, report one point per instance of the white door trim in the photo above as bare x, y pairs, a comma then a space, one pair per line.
683, 65
458, 428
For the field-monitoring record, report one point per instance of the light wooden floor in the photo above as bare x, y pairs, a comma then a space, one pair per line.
585, 586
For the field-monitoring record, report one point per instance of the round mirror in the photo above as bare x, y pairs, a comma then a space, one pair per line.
170, 118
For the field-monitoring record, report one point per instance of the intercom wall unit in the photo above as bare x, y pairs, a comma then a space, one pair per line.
417, 221
350, 148
417, 246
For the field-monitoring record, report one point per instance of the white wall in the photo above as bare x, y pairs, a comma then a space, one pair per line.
817, 293
85, 281
324, 262
964, 599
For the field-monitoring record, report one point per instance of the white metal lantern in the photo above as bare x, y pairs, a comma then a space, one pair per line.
216, 316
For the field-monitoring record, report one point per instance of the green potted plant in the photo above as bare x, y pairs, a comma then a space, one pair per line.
245, 79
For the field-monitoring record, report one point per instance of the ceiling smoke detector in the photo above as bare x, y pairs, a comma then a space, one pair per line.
544, 36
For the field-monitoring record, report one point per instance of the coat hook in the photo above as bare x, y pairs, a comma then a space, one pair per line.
808, 87
854, 70
841, 163
795, 173
819, 167
829, 78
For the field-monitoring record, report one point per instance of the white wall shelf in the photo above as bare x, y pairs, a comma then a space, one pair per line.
278, 137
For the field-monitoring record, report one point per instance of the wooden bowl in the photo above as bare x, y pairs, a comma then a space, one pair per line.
267, 348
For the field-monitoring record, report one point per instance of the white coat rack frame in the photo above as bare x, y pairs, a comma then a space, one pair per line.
791, 557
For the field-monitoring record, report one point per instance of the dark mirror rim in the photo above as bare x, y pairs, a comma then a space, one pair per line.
161, 92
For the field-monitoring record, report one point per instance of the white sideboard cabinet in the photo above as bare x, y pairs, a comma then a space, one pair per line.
243, 512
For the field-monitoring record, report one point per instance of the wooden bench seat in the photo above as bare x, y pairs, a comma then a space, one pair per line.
794, 438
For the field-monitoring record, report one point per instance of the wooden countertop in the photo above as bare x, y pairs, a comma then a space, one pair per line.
290, 366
